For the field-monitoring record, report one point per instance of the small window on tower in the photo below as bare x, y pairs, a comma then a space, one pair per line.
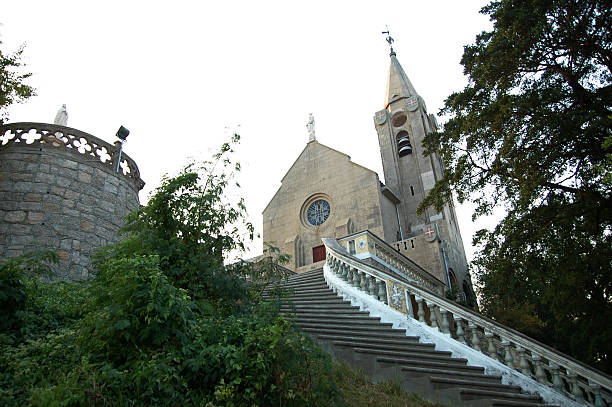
352, 247
403, 143
411, 190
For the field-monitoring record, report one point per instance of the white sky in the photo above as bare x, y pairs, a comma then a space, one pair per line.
179, 74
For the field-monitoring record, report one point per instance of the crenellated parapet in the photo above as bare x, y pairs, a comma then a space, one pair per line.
53, 137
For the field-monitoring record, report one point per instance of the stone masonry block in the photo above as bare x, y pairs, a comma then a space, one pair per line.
15, 216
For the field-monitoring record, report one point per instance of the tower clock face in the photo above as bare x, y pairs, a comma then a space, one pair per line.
318, 212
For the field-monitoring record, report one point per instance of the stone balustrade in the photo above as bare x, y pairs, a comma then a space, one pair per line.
373, 246
51, 136
569, 377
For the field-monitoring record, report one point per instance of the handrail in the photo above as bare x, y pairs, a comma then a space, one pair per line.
564, 374
399, 263
72, 140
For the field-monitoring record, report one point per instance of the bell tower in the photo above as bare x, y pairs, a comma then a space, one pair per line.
401, 126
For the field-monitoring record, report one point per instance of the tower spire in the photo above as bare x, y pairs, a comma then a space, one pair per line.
398, 84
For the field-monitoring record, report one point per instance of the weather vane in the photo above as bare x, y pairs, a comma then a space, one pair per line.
389, 40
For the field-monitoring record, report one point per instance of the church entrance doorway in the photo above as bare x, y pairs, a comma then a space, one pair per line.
318, 253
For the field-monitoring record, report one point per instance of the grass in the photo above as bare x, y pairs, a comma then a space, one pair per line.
358, 391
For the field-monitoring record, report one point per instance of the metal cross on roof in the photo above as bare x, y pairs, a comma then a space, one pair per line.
390, 40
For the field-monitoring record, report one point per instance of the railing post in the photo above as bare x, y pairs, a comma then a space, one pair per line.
432, 315
597, 392
371, 286
420, 311
445, 326
475, 339
539, 370
362, 282
576, 391
460, 333
523, 364
492, 350
556, 377
344, 274
508, 359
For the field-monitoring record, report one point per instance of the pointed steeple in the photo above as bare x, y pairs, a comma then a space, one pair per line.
398, 84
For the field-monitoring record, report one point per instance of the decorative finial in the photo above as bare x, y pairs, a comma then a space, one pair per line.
390, 41
310, 126
61, 118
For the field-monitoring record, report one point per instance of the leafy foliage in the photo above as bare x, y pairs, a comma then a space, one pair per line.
531, 132
12, 83
164, 322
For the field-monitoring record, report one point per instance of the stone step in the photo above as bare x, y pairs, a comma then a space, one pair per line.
332, 312
336, 300
305, 285
445, 382
338, 327
374, 335
416, 371
311, 291
332, 320
440, 365
509, 403
425, 348
349, 314
402, 340
471, 394
313, 306
406, 354
308, 296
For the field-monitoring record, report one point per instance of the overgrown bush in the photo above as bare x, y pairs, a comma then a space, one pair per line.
164, 322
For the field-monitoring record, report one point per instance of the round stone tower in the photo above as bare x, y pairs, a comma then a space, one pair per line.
60, 189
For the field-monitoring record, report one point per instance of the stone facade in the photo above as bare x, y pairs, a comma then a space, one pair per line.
359, 201
354, 193
56, 197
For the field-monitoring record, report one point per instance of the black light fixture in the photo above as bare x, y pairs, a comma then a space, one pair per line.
122, 134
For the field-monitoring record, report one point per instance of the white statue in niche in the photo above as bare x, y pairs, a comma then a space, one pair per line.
61, 118
310, 126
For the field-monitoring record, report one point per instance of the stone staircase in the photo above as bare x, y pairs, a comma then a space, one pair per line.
386, 353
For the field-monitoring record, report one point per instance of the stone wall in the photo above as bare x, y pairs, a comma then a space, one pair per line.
63, 199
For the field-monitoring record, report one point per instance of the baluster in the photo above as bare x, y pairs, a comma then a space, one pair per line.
556, 376
382, 292
597, 392
349, 275
539, 370
460, 333
523, 364
421, 311
576, 391
371, 286
475, 339
362, 283
508, 360
445, 326
432, 315
355, 279
344, 274
492, 351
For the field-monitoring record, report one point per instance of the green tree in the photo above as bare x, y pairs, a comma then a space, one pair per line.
12, 86
531, 132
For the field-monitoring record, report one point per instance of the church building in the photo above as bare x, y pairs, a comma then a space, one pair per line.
324, 194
